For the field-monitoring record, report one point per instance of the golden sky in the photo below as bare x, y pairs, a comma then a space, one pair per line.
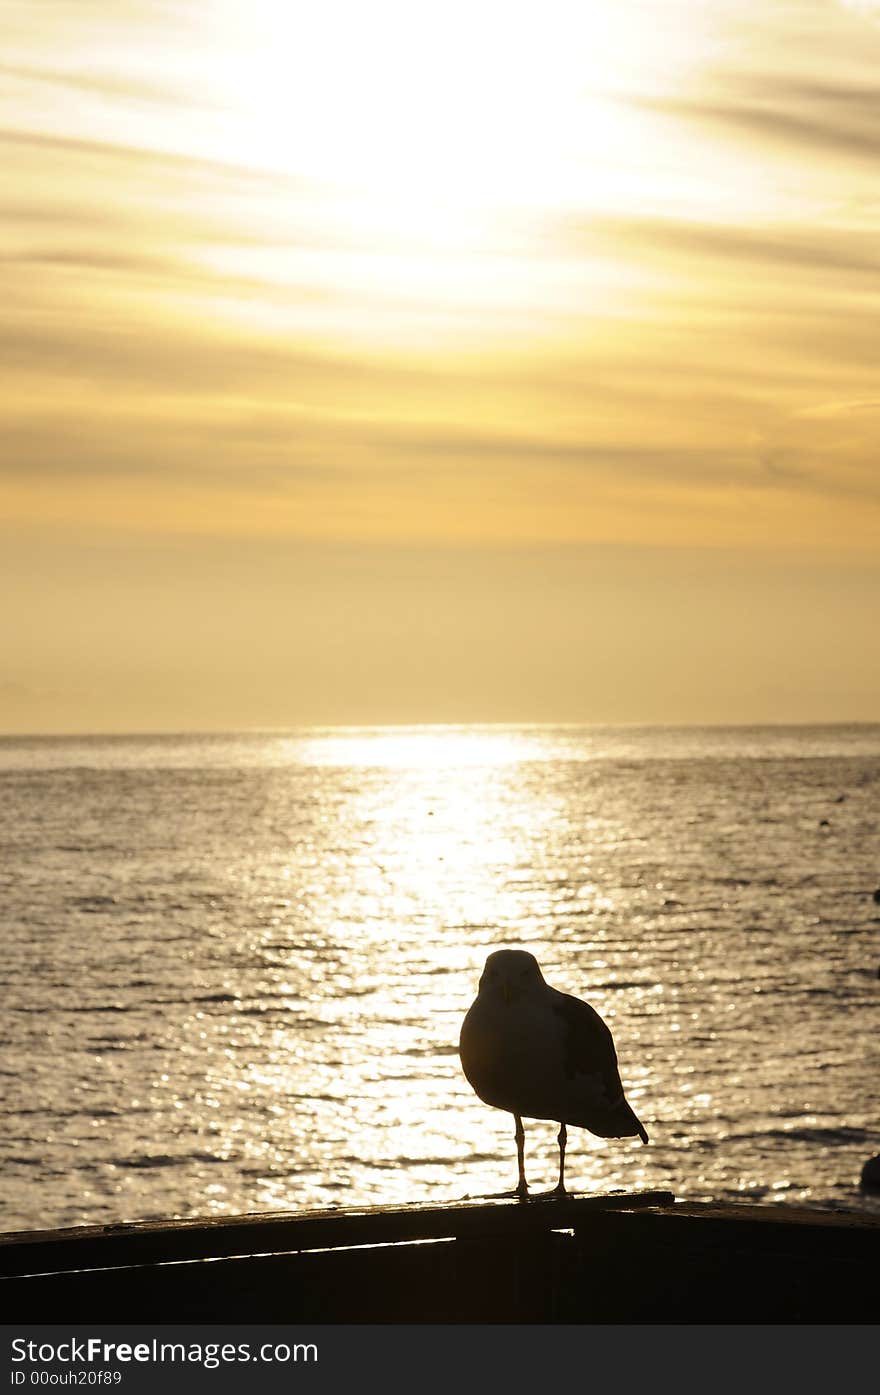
391, 360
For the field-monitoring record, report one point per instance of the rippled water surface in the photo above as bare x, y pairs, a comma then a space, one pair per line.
235, 967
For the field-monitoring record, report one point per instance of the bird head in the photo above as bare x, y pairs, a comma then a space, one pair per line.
510, 974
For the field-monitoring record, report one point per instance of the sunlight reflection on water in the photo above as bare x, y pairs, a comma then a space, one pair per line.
236, 974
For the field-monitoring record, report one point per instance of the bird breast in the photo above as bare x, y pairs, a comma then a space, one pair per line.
514, 1057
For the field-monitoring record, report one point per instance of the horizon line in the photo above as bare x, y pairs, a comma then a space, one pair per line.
385, 727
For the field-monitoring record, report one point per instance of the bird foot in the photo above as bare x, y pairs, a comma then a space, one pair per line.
513, 1193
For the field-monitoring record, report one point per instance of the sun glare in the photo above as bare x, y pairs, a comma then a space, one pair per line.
433, 117
413, 747
429, 159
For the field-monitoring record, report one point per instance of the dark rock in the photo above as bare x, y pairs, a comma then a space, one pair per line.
870, 1179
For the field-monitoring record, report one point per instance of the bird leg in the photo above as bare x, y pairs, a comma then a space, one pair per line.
561, 1139
522, 1186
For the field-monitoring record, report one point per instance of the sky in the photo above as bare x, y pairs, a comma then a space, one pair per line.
399, 361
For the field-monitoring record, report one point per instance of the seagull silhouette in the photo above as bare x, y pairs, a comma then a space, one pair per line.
541, 1054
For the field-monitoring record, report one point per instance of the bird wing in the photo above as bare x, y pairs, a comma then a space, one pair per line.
588, 1046
589, 1052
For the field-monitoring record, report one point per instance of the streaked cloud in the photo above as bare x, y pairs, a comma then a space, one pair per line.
576, 276
168, 161
100, 84
779, 248
815, 119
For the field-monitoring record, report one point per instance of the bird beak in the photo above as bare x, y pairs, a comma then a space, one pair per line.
506, 993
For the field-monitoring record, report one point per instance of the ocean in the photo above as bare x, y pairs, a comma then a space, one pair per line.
235, 966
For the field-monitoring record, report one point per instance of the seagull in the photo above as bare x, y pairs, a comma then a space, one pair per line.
529, 1049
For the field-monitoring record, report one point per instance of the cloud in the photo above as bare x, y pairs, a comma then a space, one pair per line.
173, 273
633, 459
777, 246
95, 259
829, 448
859, 407
811, 117
146, 157
179, 323
260, 448
103, 85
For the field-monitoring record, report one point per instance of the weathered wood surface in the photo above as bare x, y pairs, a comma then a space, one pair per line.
614, 1259
89, 1247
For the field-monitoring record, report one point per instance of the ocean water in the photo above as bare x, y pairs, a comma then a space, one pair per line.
235, 967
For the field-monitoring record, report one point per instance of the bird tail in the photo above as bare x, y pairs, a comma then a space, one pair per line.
620, 1121
635, 1125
